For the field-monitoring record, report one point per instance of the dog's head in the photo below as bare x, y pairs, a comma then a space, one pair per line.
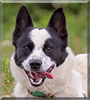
39, 51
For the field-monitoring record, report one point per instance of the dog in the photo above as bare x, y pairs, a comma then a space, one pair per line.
43, 65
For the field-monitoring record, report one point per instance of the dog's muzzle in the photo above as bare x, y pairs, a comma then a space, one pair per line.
37, 77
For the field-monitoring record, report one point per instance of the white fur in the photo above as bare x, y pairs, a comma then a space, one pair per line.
39, 37
67, 82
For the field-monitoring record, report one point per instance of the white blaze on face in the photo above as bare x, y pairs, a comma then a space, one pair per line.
39, 37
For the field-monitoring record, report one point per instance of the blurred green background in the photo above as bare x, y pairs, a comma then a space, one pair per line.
76, 18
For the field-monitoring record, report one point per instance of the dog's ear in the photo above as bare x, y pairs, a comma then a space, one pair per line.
58, 23
23, 21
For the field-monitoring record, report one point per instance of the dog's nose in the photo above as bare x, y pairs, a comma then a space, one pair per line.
35, 64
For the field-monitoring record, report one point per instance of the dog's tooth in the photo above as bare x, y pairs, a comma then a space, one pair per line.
31, 80
39, 81
31, 75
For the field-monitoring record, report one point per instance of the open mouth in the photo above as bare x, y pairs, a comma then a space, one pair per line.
37, 78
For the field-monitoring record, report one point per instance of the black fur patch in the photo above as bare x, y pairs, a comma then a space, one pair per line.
24, 47
57, 52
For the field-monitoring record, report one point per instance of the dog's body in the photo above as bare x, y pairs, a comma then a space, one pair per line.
42, 61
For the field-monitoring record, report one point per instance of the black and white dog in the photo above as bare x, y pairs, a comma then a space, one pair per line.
43, 65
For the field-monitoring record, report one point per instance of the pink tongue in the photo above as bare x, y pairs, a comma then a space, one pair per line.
37, 75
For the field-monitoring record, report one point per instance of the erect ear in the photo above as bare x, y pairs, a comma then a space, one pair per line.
23, 21
58, 23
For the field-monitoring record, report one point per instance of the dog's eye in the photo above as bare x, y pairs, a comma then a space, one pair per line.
49, 48
26, 47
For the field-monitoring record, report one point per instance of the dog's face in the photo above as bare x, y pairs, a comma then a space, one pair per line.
39, 51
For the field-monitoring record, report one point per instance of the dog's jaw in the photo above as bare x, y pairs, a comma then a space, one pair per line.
38, 78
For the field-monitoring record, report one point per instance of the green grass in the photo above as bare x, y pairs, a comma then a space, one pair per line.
8, 87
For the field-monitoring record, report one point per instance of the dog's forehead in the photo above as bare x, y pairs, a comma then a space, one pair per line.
39, 36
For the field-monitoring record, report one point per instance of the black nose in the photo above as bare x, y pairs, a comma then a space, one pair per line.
35, 64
